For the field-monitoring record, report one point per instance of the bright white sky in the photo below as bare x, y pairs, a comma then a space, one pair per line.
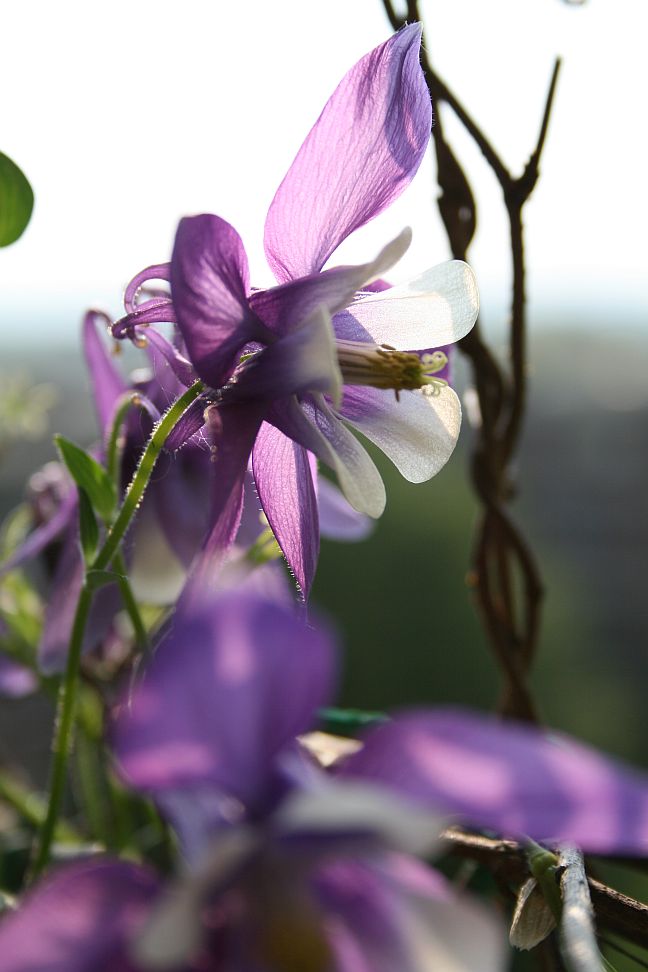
126, 116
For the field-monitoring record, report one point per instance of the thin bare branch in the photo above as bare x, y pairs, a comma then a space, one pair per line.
577, 932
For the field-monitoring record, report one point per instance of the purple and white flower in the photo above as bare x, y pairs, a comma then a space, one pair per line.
290, 367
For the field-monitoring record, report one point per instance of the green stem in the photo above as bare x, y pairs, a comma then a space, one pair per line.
126, 591
142, 475
88, 765
113, 448
63, 733
68, 689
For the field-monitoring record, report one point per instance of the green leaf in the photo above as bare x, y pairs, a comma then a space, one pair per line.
88, 527
16, 201
89, 476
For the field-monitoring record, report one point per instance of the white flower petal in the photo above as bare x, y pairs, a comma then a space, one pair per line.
457, 935
418, 433
438, 307
318, 429
365, 807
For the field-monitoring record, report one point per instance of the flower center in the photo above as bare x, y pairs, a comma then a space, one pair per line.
382, 366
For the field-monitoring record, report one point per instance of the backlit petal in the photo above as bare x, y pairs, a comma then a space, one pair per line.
361, 153
284, 483
418, 432
438, 307
313, 424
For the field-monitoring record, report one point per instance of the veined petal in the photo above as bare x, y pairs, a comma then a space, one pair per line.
508, 777
438, 307
284, 483
81, 917
237, 677
285, 307
418, 432
361, 153
107, 383
209, 286
312, 423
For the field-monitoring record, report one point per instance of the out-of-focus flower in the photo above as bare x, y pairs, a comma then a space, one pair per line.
289, 367
290, 866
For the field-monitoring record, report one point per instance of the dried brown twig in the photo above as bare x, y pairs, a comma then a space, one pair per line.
510, 610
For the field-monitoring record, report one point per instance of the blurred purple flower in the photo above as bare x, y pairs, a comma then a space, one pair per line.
320, 349
290, 866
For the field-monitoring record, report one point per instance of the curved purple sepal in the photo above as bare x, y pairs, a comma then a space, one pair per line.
361, 153
107, 383
209, 286
509, 777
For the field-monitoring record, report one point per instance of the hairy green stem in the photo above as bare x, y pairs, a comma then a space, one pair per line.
113, 448
68, 691
63, 733
130, 603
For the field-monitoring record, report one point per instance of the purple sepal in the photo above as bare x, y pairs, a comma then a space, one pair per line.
244, 676
179, 365
158, 271
210, 285
158, 310
190, 422
361, 153
282, 474
80, 919
63, 518
509, 777
107, 383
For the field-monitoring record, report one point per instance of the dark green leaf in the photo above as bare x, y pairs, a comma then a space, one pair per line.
89, 476
16, 201
88, 527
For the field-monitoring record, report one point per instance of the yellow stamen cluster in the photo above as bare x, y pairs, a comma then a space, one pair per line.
382, 366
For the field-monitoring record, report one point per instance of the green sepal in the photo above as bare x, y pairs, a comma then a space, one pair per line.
88, 527
89, 476
16, 201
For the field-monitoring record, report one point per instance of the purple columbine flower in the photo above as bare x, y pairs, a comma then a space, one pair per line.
291, 366
289, 866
